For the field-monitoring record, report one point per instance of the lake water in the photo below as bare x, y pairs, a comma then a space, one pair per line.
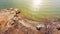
39, 7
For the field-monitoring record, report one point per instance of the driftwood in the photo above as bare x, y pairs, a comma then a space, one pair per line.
13, 22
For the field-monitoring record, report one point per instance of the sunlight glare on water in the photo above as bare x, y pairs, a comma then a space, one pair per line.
36, 4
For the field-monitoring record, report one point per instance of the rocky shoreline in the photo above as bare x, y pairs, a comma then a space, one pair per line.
12, 22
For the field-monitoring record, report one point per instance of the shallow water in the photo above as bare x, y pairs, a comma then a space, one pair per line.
34, 8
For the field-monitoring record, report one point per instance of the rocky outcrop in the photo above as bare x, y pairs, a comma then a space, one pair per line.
13, 22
